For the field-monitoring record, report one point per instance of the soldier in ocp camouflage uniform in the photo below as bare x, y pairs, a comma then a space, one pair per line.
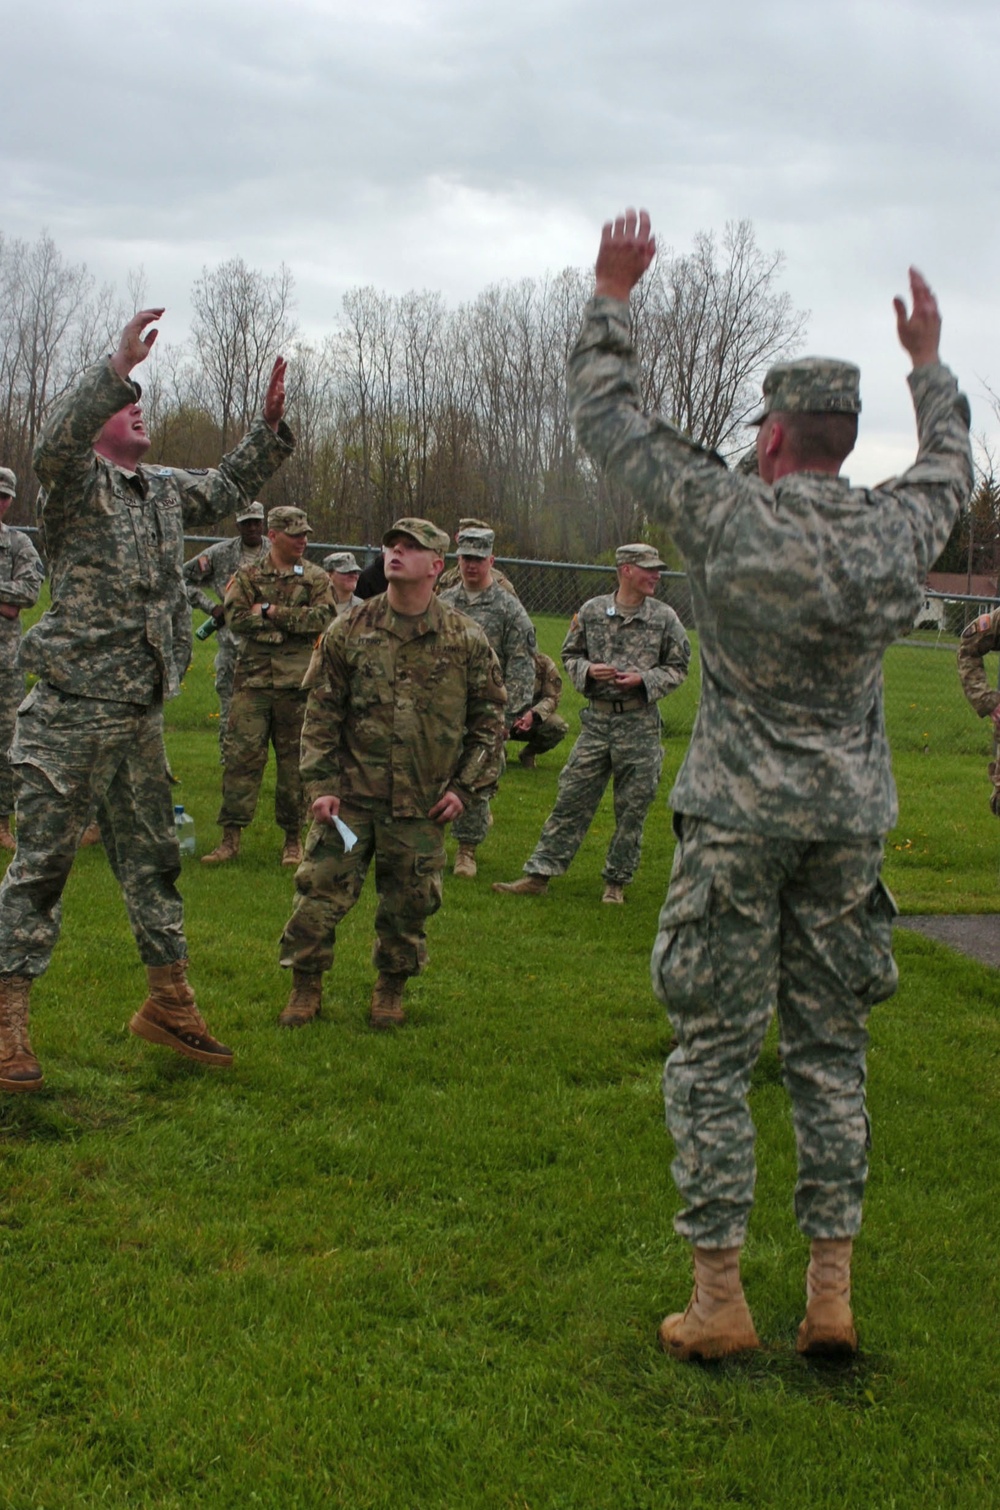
21, 577
624, 651
541, 727
90, 733
215, 568
980, 638
511, 633
799, 582
402, 729
343, 571
276, 607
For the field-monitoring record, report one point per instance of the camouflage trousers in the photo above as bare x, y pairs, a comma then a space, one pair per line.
11, 694
544, 736
227, 651
73, 756
409, 861
624, 747
472, 826
260, 717
751, 925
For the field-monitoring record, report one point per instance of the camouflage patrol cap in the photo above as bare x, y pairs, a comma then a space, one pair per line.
289, 520
638, 554
250, 511
8, 483
422, 531
341, 561
475, 542
810, 385
472, 524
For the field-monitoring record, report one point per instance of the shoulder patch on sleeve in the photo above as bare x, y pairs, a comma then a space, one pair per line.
978, 626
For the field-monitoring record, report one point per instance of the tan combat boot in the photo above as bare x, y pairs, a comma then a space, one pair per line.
828, 1328
387, 1002
227, 850
169, 1016
7, 840
292, 852
717, 1321
465, 862
527, 886
527, 759
19, 1069
91, 835
305, 1001
613, 894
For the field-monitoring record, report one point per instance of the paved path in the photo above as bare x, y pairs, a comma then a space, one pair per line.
976, 934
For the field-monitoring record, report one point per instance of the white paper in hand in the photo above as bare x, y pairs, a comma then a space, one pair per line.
348, 835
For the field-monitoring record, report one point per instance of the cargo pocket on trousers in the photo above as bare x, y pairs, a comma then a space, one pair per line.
877, 973
681, 963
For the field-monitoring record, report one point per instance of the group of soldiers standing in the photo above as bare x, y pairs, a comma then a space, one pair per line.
390, 715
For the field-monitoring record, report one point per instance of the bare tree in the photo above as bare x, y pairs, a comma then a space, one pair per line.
242, 320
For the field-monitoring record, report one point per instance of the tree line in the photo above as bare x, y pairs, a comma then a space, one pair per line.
408, 406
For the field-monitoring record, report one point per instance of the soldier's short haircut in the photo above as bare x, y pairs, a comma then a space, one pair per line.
819, 437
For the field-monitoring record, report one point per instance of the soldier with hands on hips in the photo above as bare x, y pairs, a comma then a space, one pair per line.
799, 583
403, 729
276, 608
90, 733
215, 568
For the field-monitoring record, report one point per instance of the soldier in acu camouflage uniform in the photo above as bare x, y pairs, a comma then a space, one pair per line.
511, 633
624, 651
540, 726
276, 608
21, 576
402, 730
453, 576
90, 733
980, 638
799, 583
215, 568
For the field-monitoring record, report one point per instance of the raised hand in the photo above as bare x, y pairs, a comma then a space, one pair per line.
133, 346
627, 248
919, 332
274, 398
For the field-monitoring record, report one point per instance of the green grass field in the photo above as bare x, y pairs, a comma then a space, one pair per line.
426, 1269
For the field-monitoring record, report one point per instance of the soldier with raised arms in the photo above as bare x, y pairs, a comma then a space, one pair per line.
90, 733
799, 582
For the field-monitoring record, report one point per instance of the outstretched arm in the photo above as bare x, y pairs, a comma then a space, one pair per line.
133, 346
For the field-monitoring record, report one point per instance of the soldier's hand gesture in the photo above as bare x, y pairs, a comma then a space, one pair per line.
627, 248
133, 346
274, 398
919, 332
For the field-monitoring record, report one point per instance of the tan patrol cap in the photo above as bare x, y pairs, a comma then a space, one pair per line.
638, 554
289, 520
8, 482
810, 385
251, 511
426, 534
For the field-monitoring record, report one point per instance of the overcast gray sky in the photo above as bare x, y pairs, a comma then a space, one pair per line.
445, 145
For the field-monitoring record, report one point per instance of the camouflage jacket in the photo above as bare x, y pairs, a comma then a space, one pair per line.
275, 652
651, 640
453, 578
21, 578
978, 639
114, 540
797, 591
548, 687
505, 622
215, 567
352, 602
401, 710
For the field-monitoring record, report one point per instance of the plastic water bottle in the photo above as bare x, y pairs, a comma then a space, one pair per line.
184, 824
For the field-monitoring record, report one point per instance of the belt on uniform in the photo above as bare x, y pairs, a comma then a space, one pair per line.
618, 704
